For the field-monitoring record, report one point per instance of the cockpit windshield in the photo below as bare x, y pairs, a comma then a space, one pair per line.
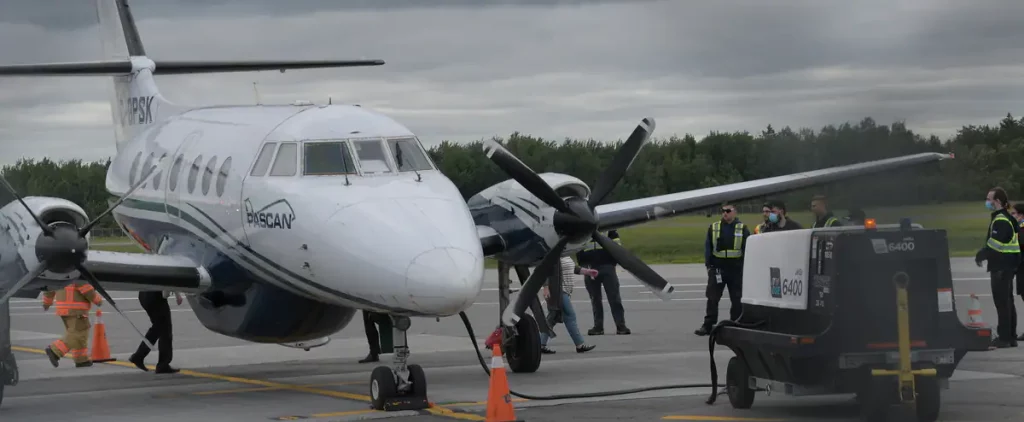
327, 158
408, 154
371, 155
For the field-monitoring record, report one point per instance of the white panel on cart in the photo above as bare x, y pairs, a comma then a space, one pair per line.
775, 269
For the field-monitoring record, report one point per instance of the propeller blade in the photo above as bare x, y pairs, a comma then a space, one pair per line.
91, 279
623, 159
533, 285
41, 268
523, 272
635, 266
142, 180
523, 174
46, 229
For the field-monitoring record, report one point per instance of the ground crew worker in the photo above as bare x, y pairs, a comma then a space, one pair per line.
766, 210
778, 220
1002, 251
1017, 211
159, 312
370, 322
823, 215
73, 304
595, 257
723, 258
855, 216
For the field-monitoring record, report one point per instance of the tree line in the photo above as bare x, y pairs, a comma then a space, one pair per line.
985, 156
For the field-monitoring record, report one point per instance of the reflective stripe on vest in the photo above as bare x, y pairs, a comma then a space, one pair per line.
1011, 247
737, 241
69, 302
592, 246
828, 223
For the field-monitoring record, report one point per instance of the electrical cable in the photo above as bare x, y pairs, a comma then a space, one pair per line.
480, 357
711, 352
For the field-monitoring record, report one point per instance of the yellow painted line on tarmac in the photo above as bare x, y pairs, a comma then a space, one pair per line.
718, 418
435, 409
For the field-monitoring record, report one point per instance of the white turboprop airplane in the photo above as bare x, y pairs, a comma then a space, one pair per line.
283, 220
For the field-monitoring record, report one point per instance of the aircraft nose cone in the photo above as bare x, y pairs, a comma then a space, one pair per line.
445, 279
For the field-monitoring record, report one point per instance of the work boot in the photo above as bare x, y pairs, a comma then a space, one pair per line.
372, 357
85, 364
138, 361
1002, 344
54, 359
702, 331
584, 348
166, 369
623, 331
595, 332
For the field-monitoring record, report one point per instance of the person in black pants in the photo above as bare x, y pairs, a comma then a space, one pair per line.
1002, 251
593, 256
724, 246
370, 322
159, 312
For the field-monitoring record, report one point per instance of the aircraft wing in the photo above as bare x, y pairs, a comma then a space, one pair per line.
119, 271
628, 213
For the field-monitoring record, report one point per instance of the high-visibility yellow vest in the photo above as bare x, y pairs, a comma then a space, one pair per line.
1012, 247
736, 250
828, 223
759, 228
592, 245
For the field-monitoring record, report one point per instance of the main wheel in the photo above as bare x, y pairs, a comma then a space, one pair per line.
419, 381
523, 354
382, 386
737, 384
927, 400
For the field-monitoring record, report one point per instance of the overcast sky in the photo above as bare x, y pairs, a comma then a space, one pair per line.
471, 69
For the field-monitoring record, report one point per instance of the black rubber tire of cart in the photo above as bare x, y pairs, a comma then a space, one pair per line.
928, 399
737, 384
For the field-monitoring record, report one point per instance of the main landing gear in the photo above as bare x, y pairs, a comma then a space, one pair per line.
520, 343
400, 386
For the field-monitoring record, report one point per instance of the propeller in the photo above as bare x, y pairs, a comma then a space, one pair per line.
63, 248
575, 218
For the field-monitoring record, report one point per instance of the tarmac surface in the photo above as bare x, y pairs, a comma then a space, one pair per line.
224, 379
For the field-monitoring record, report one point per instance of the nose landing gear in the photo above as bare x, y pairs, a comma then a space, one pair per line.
400, 386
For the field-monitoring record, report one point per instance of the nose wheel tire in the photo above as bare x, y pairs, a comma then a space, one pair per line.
382, 386
523, 352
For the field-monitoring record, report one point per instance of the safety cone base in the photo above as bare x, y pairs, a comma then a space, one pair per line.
103, 360
406, 403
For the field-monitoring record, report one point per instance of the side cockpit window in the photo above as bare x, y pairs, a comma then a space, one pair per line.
263, 161
408, 154
371, 155
286, 162
327, 158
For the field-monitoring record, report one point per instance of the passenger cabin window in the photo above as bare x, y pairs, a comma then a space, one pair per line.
159, 173
133, 173
193, 173
327, 158
408, 154
222, 176
371, 155
208, 174
147, 167
172, 179
263, 161
287, 160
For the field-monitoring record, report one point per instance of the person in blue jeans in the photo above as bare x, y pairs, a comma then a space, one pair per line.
568, 271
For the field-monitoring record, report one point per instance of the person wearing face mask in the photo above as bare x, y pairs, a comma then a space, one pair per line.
1002, 251
777, 219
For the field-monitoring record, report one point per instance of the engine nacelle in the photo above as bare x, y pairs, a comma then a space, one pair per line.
23, 229
523, 221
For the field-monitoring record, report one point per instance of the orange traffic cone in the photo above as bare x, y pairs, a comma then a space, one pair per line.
100, 348
974, 313
499, 399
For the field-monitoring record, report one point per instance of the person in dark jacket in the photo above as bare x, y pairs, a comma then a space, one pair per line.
724, 246
778, 220
160, 333
822, 214
1002, 251
1017, 211
595, 257
855, 216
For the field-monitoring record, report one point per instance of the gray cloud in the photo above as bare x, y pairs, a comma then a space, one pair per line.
469, 69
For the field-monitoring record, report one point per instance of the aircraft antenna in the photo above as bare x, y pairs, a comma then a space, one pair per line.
257, 91
328, 100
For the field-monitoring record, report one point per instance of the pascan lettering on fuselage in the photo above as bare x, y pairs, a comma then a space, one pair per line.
277, 215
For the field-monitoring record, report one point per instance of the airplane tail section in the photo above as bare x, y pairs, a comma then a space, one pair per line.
136, 102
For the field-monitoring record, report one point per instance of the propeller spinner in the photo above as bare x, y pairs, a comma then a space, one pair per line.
62, 248
575, 218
